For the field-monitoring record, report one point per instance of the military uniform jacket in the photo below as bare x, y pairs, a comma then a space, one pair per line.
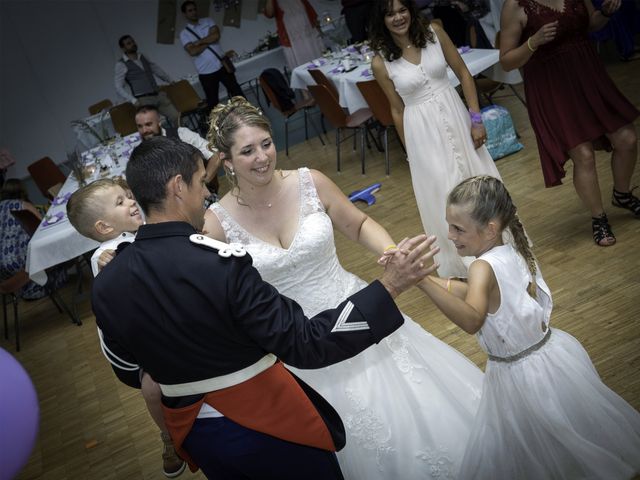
186, 314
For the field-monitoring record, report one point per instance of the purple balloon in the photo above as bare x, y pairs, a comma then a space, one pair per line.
19, 416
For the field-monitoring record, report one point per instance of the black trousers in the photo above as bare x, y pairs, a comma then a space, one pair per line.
211, 81
357, 19
225, 450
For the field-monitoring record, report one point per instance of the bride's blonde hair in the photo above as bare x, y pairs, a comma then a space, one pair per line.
226, 119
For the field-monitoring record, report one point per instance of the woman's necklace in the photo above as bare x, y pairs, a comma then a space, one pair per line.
267, 204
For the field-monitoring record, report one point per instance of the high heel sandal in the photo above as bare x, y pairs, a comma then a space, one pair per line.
602, 233
626, 200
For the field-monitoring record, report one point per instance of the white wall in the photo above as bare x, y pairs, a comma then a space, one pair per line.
57, 57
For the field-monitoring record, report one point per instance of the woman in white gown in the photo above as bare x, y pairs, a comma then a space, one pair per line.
545, 413
444, 141
296, 23
407, 403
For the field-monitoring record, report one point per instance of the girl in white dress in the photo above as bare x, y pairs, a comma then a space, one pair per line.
544, 413
407, 403
444, 141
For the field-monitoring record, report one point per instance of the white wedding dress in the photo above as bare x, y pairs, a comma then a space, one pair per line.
407, 403
437, 132
545, 413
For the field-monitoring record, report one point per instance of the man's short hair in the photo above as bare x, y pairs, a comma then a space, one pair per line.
123, 38
84, 209
186, 3
147, 108
156, 161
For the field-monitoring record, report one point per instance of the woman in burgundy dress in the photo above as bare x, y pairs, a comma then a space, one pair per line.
574, 106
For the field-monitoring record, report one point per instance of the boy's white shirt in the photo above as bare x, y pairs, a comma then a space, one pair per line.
109, 245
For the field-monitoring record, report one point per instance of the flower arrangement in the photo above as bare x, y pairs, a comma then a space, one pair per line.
101, 136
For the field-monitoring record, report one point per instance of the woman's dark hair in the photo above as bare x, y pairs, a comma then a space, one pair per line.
380, 38
13, 189
185, 4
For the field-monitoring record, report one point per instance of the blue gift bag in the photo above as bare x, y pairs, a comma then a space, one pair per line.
501, 135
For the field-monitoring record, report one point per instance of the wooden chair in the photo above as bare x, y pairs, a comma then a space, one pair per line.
332, 110
302, 106
321, 79
11, 287
381, 109
123, 117
192, 109
100, 106
47, 176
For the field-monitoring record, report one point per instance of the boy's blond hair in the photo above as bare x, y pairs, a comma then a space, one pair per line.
84, 208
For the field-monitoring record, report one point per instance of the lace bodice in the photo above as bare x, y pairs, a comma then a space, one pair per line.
417, 84
573, 26
308, 271
517, 324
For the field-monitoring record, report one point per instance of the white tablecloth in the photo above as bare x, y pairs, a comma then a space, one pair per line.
56, 241
477, 61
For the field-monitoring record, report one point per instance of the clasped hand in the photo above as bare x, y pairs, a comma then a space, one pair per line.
609, 7
408, 263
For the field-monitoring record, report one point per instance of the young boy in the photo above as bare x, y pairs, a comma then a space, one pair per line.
106, 211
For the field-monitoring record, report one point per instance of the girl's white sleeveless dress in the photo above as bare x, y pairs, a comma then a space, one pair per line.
407, 403
544, 414
437, 132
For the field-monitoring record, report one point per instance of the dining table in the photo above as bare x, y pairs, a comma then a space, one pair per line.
56, 240
345, 79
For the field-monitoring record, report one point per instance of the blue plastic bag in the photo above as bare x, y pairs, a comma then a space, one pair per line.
501, 134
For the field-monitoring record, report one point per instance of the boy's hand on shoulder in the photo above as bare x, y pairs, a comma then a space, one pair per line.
105, 257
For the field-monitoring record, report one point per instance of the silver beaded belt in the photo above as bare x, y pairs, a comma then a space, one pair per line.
523, 353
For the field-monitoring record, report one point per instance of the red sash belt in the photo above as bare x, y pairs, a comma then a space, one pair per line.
272, 402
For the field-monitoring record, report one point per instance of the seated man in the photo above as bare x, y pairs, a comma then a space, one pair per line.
148, 123
196, 316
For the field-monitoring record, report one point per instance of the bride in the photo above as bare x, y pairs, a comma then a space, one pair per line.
408, 402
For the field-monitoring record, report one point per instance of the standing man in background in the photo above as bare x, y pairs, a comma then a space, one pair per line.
200, 39
356, 14
139, 73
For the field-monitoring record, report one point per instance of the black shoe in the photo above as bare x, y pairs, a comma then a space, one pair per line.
626, 200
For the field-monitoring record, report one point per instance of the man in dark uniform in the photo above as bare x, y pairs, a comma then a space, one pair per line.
194, 314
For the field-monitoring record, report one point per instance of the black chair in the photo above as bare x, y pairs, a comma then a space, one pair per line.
289, 109
10, 288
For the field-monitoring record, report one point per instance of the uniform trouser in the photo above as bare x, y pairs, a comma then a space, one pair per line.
211, 82
165, 107
225, 450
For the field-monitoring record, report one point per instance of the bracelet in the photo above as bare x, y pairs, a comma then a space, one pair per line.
475, 117
386, 249
604, 14
529, 45
449, 284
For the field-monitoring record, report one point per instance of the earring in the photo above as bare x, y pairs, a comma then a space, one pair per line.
233, 174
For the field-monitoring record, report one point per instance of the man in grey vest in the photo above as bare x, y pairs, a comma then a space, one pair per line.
138, 73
